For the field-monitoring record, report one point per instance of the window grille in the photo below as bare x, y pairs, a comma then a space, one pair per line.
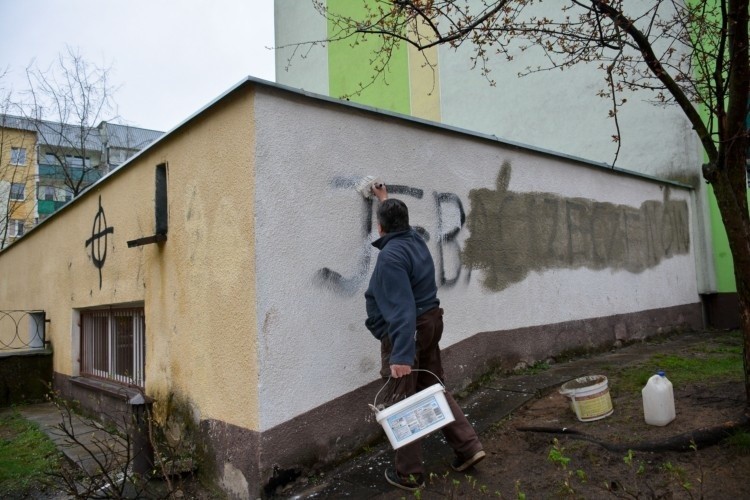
113, 345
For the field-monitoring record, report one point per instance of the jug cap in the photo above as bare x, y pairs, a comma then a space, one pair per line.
661, 373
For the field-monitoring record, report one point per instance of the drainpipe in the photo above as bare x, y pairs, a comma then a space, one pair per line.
141, 449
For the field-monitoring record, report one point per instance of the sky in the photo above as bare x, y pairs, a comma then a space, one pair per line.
168, 58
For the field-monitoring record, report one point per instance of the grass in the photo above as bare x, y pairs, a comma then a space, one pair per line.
26, 455
739, 442
715, 364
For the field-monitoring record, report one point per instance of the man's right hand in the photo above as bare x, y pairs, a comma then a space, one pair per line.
380, 191
398, 371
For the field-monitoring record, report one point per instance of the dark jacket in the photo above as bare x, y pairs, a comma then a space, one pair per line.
402, 287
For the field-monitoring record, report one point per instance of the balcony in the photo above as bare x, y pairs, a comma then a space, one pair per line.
47, 207
49, 173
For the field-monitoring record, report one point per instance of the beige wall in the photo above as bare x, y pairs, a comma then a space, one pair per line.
197, 288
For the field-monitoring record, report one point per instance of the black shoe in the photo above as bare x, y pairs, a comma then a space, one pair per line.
460, 464
412, 483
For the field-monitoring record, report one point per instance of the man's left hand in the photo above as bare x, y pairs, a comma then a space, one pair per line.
398, 371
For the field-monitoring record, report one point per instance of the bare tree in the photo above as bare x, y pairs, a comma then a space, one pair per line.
690, 53
65, 103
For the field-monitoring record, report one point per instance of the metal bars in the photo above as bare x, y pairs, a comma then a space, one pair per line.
22, 330
113, 345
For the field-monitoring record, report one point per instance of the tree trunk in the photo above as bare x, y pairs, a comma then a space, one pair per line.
737, 224
730, 176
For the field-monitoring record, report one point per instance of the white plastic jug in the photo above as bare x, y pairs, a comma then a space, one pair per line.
658, 400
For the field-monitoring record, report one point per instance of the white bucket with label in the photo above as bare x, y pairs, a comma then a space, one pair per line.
416, 416
589, 397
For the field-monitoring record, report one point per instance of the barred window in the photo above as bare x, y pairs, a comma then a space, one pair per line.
113, 345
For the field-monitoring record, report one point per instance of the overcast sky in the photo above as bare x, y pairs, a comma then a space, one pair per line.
169, 58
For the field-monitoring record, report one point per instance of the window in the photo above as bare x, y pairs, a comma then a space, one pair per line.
113, 345
77, 161
15, 228
18, 156
17, 191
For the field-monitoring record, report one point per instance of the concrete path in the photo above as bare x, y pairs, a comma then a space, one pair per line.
93, 449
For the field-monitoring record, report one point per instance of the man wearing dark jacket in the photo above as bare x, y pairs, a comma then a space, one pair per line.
403, 313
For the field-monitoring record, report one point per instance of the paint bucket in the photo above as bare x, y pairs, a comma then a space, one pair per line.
416, 416
589, 397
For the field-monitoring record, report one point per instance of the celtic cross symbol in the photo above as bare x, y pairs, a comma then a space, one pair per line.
99, 232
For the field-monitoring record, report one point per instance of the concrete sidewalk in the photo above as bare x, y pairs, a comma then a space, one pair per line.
92, 449
493, 401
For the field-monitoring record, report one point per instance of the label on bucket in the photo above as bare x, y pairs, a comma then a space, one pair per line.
415, 418
591, 407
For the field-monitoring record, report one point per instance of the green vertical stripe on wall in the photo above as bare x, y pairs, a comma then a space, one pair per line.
725, 281
349, 66
722, 254
723, 262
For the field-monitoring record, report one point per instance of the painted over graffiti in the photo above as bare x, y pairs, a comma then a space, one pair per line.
513, 234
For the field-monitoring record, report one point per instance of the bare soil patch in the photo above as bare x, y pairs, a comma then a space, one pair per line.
519, 460
523, 464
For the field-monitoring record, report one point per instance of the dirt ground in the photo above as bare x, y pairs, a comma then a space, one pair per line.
719, 471
518, 461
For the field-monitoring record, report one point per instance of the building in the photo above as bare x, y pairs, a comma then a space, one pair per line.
61, 161
17, 180
555, 110
235, 301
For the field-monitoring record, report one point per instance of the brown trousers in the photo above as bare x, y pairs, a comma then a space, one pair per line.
459, 434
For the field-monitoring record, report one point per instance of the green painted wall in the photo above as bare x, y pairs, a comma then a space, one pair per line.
346, 72
725, 281
723, 263
722, 255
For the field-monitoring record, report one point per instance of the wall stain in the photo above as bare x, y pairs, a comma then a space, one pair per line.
513, 234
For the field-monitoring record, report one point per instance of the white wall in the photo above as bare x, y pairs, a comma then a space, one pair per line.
313, 345
305, 67
560, 110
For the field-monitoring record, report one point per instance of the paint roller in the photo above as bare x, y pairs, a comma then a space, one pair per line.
364, 186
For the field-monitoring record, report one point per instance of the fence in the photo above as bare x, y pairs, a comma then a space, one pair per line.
22, 330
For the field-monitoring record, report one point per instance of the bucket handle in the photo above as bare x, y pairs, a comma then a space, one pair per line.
375, 401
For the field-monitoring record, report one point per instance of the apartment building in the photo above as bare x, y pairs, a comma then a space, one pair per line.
46, 164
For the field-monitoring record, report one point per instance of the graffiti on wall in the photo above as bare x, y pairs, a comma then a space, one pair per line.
98, 240
513, 234
450, 218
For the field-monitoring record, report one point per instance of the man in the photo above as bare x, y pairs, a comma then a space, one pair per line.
401, 300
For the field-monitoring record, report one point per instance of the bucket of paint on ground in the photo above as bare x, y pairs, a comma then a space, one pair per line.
416, 416
589, 397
